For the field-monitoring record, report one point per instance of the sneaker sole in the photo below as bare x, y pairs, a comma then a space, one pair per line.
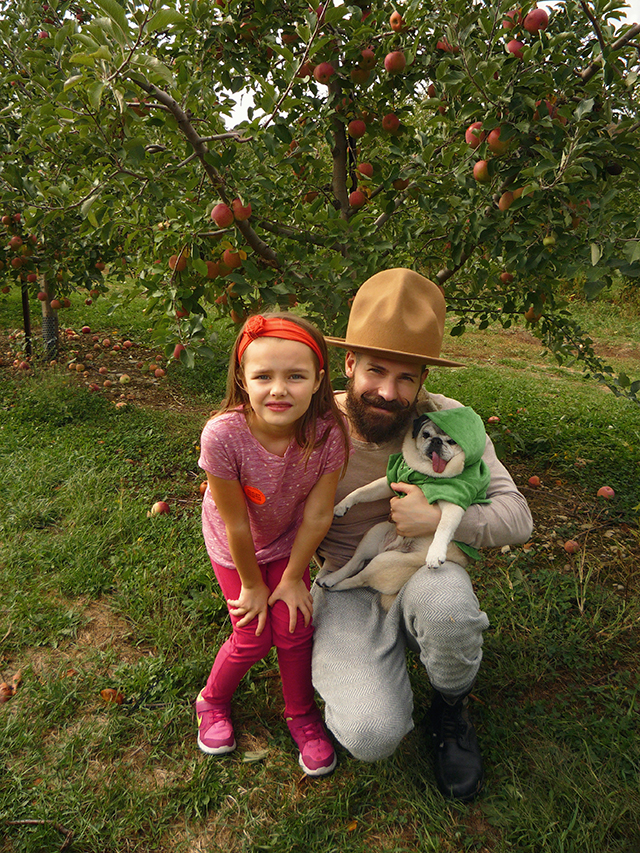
320, 771
216, 750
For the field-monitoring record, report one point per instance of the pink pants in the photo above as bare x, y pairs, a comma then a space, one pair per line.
243, 648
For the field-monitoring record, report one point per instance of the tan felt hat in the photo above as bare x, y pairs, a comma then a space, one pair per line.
397, 314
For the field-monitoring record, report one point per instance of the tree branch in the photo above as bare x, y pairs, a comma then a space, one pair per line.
198, 144
591, 69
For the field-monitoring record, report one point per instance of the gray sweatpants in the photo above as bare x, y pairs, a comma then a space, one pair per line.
359, 664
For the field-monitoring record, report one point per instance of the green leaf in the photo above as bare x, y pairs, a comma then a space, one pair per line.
596, 254
632, 251
70, 82
94, 93
163, 19
114, 10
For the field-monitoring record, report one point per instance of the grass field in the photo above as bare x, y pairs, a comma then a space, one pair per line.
98, 596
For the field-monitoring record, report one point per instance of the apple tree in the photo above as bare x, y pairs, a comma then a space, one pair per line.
490, 147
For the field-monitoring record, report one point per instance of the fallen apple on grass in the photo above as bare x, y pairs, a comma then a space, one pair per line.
534, 481
160, 508
571, 546
606, 492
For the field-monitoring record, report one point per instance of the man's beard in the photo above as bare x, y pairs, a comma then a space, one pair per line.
374, 426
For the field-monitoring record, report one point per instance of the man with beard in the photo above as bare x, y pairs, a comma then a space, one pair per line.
395, 332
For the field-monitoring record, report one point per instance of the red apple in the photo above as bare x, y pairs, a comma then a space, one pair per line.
481, 171
178, 263
368, 58
511, 19
506, 200
515, 47
474, 135
55, 304
181, 313
323, 72
159, 372
494, 419
15, 242
357, 198
536, 20
177, 350
395, 62
357, 128
222, 215
232, 259
571, 546
86, 330
359, 75
42, 296
396, 22
506, 277
366, 169
213, 269
391, 123
203, 487
534, 481
606, 492
496, 145
160, 508
240, 211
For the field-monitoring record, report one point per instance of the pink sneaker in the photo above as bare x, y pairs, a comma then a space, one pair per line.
215, 730
317, 755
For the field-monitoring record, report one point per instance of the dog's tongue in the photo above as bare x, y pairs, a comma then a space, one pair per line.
438, 464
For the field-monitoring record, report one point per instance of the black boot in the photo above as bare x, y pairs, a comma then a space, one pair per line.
458, 763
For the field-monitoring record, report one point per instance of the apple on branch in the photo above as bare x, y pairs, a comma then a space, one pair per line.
481, 171
474, 135
357, 128
391, 123
324, 72
222, 215
395, 62
396, 22
240, 211
357, 198
536, 20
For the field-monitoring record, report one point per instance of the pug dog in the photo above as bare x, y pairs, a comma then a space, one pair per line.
384, 560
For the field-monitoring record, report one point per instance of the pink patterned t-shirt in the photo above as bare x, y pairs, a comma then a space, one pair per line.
275, 487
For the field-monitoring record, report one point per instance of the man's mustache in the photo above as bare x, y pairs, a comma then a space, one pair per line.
381, 403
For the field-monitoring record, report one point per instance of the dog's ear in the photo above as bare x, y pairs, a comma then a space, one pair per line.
417, 424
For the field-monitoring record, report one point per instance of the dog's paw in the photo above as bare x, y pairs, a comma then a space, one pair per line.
341, 509
326, 582
435, 560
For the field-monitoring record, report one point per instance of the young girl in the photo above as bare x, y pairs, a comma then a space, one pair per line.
273, 454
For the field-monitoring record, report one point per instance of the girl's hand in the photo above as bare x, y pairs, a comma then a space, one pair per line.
412, 514
297, 597
252, 603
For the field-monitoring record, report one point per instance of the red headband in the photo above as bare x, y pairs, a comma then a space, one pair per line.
276, 327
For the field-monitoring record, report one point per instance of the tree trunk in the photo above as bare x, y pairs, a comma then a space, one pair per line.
49, 324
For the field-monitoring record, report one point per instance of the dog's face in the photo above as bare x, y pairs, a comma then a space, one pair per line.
430, 450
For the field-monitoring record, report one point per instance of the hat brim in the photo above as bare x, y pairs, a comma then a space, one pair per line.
397, 355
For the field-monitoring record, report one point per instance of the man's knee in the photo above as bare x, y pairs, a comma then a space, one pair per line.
369, 737
443, 597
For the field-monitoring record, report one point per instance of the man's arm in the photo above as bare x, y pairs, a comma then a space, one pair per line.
505, 521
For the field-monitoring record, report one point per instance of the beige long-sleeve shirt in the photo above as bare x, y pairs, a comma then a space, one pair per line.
505, 521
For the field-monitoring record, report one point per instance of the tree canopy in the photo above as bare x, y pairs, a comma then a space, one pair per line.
495, 149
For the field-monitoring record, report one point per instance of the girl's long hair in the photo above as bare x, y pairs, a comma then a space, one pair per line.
322, 404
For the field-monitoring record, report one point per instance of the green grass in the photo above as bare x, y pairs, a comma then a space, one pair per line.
96, 594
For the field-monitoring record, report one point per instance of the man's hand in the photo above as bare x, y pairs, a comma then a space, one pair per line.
412, 514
